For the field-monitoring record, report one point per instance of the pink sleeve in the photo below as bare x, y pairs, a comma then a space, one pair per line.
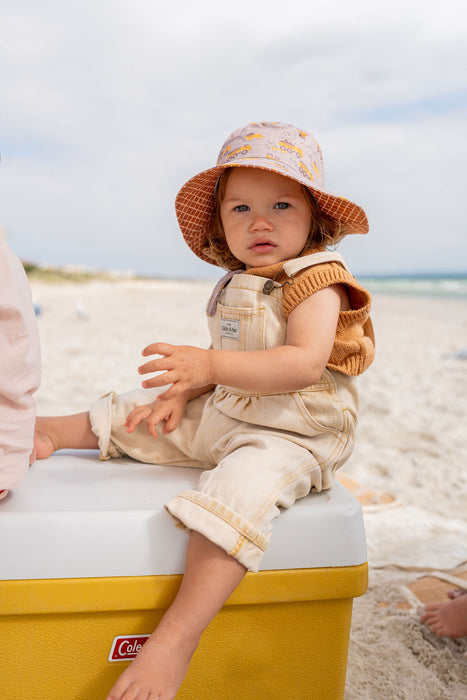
19, 369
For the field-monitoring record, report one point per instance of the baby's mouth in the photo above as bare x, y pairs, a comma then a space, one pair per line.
262, 246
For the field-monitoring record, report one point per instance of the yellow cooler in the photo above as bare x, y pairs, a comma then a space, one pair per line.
90, 561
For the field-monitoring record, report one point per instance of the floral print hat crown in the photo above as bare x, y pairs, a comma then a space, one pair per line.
279, 148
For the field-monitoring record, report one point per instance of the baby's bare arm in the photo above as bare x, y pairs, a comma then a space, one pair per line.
311, 330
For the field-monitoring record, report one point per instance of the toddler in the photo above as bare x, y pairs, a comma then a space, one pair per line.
268, 412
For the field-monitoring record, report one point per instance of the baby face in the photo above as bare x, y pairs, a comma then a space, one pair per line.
266, 217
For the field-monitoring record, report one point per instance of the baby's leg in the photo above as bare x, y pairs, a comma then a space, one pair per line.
210, 577
58, 432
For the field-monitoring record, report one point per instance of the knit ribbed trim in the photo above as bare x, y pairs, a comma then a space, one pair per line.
318, 277
352, 357
271, 271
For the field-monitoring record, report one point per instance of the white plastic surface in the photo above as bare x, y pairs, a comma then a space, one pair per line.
77, 517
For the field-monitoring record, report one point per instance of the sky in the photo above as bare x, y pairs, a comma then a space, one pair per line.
108, 106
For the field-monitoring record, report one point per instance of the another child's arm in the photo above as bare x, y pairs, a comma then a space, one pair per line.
19, 369
311, 330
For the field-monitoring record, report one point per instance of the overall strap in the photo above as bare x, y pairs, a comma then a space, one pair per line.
290, 268
217, 291
293, 266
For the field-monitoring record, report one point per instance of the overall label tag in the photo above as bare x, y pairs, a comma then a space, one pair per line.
230, 328
126, 647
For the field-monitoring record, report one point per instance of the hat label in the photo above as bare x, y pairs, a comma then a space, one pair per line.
230, 328
126, 647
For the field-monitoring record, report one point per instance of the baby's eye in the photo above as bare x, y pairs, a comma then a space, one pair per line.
281, 205
241, 207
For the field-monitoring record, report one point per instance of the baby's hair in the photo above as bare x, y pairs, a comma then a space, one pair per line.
324, 231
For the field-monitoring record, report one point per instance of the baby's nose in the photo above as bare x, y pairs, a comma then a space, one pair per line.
260, 222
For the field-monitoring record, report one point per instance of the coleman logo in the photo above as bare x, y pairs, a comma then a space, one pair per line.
126, 647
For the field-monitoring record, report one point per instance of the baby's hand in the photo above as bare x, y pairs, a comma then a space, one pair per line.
170, 411
184, 366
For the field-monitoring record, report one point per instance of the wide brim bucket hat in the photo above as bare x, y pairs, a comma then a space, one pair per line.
279, 148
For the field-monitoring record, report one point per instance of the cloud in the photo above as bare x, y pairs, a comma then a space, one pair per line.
108, 107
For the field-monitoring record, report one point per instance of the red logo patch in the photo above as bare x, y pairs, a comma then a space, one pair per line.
126, 647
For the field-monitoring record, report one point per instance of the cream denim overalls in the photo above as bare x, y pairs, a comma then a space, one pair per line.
259, 452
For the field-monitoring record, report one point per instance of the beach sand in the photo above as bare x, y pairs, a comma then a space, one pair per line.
411, 444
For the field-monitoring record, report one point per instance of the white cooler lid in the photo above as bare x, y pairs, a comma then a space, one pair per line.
77, 517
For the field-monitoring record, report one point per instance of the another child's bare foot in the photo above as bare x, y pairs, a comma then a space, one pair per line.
57, 432
446, 619
160, 667
456, 593
45, 439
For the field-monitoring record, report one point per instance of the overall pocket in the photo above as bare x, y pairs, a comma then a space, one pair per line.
240, 328
330, 405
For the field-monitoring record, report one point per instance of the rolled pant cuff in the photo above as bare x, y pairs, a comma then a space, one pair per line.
100, 415
195, 510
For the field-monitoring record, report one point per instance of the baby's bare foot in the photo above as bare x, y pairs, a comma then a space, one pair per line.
159, 669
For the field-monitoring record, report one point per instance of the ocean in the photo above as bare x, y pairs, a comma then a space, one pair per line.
452, 286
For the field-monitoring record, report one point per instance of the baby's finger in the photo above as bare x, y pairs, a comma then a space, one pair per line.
131, 425
157, 415
158, 349
159, 365
136, 416
172, 422
160, 380
151, 428
175, 390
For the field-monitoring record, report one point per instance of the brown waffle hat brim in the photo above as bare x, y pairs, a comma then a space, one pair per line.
194, 206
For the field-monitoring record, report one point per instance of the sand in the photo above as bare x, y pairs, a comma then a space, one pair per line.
411, 443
